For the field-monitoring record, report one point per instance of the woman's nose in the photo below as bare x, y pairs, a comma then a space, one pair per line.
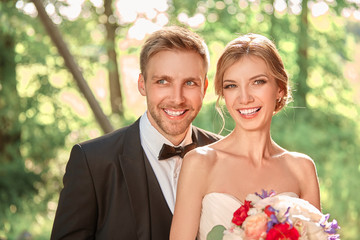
245, 96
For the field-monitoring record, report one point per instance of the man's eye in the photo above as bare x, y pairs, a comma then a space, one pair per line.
189, 83
161, 81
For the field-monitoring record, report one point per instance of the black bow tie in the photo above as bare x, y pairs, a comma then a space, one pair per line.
169, 151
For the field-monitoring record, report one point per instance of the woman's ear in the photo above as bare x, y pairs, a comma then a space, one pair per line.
280, 94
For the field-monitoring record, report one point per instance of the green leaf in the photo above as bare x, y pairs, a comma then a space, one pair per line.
216, 233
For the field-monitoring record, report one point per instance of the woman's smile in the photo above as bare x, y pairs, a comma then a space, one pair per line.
249, 112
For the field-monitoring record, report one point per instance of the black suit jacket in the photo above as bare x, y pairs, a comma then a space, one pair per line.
111, 192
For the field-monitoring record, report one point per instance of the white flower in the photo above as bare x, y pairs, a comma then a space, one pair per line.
254, 211
253, 198
297, 206
234, 234
315, 232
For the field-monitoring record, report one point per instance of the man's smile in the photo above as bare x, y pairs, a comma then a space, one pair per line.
174, 113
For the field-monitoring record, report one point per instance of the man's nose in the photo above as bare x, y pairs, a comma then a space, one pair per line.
177, 95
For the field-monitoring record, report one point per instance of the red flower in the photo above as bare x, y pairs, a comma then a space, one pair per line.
268, 211
241, 214
282, 231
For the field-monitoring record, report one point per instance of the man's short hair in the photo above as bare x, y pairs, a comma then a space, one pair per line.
173, 38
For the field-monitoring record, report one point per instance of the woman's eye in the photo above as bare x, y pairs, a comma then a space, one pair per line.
229, 86
259, 81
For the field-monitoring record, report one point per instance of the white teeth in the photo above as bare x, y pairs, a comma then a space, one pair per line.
174, 113
249, 111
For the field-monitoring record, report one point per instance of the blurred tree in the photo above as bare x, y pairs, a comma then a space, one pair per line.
73, 67
16, 182
302, 56
116, 99
9, 132
33, 126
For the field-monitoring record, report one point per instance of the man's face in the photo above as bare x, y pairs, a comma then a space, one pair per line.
175, 86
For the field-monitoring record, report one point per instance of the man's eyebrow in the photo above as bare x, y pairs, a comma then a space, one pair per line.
161, 77
166, 77
192, 79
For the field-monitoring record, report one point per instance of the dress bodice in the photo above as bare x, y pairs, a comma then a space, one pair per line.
218, 209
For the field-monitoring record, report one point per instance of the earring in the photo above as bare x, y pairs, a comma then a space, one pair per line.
279, 100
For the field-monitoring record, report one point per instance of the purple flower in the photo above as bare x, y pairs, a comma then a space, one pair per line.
265, 194
273, 221
287, 215
324, 220
332, 229
334, 237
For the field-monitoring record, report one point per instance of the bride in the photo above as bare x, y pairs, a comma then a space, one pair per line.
215, 179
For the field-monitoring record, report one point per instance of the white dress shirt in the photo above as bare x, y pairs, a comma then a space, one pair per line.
167, 170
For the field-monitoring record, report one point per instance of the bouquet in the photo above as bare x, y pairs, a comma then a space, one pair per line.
273, 217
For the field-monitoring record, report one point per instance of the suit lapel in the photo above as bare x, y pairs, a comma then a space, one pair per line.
202, 138
144, 191
132, 165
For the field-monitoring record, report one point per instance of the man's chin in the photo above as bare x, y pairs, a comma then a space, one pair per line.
176, 132
175, 129
172, 126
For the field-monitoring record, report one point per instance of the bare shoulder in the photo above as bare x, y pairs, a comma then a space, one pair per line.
303, 167
200, 157
299, 157
301, 161
195, 170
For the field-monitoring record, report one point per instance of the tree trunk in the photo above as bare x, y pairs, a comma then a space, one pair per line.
116, 100
303, 42
273, 24
10, 130
73, 67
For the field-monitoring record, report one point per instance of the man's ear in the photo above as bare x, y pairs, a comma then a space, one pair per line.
206, 83
141, 85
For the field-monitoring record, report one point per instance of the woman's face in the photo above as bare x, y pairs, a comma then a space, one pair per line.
250, 93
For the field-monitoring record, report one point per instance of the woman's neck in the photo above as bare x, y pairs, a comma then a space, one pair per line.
256, 146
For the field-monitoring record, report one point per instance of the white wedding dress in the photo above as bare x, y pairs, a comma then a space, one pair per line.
218, 209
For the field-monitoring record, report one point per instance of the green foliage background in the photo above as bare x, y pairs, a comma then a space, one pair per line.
38, 127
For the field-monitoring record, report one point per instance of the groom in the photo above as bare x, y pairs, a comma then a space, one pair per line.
119, 186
